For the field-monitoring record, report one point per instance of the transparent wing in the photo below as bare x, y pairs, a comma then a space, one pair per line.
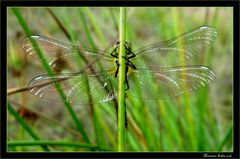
78, 88
180, 48
170, 82
57, 54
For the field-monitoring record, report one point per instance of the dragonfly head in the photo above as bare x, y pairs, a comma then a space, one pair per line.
128, 45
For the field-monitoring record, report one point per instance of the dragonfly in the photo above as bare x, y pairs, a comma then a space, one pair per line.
157, 71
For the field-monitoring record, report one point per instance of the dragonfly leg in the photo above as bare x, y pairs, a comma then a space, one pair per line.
126, 79
132, 55
127, 84
114, 53
116, 73
126, 121
129, 63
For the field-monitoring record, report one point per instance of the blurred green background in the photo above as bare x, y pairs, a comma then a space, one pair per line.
199, 121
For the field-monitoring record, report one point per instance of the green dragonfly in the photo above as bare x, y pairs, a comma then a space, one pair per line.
155, 71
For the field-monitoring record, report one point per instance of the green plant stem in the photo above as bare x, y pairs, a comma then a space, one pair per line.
25, 125
121, 82
226, 138
56, 143
95, 25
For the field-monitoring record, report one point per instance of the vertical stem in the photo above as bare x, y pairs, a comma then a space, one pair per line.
121, 81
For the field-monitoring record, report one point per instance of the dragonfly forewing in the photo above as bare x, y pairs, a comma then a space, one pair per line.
59, 54
178, 50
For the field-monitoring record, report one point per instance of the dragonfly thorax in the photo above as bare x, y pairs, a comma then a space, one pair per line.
128, 47
129, 55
